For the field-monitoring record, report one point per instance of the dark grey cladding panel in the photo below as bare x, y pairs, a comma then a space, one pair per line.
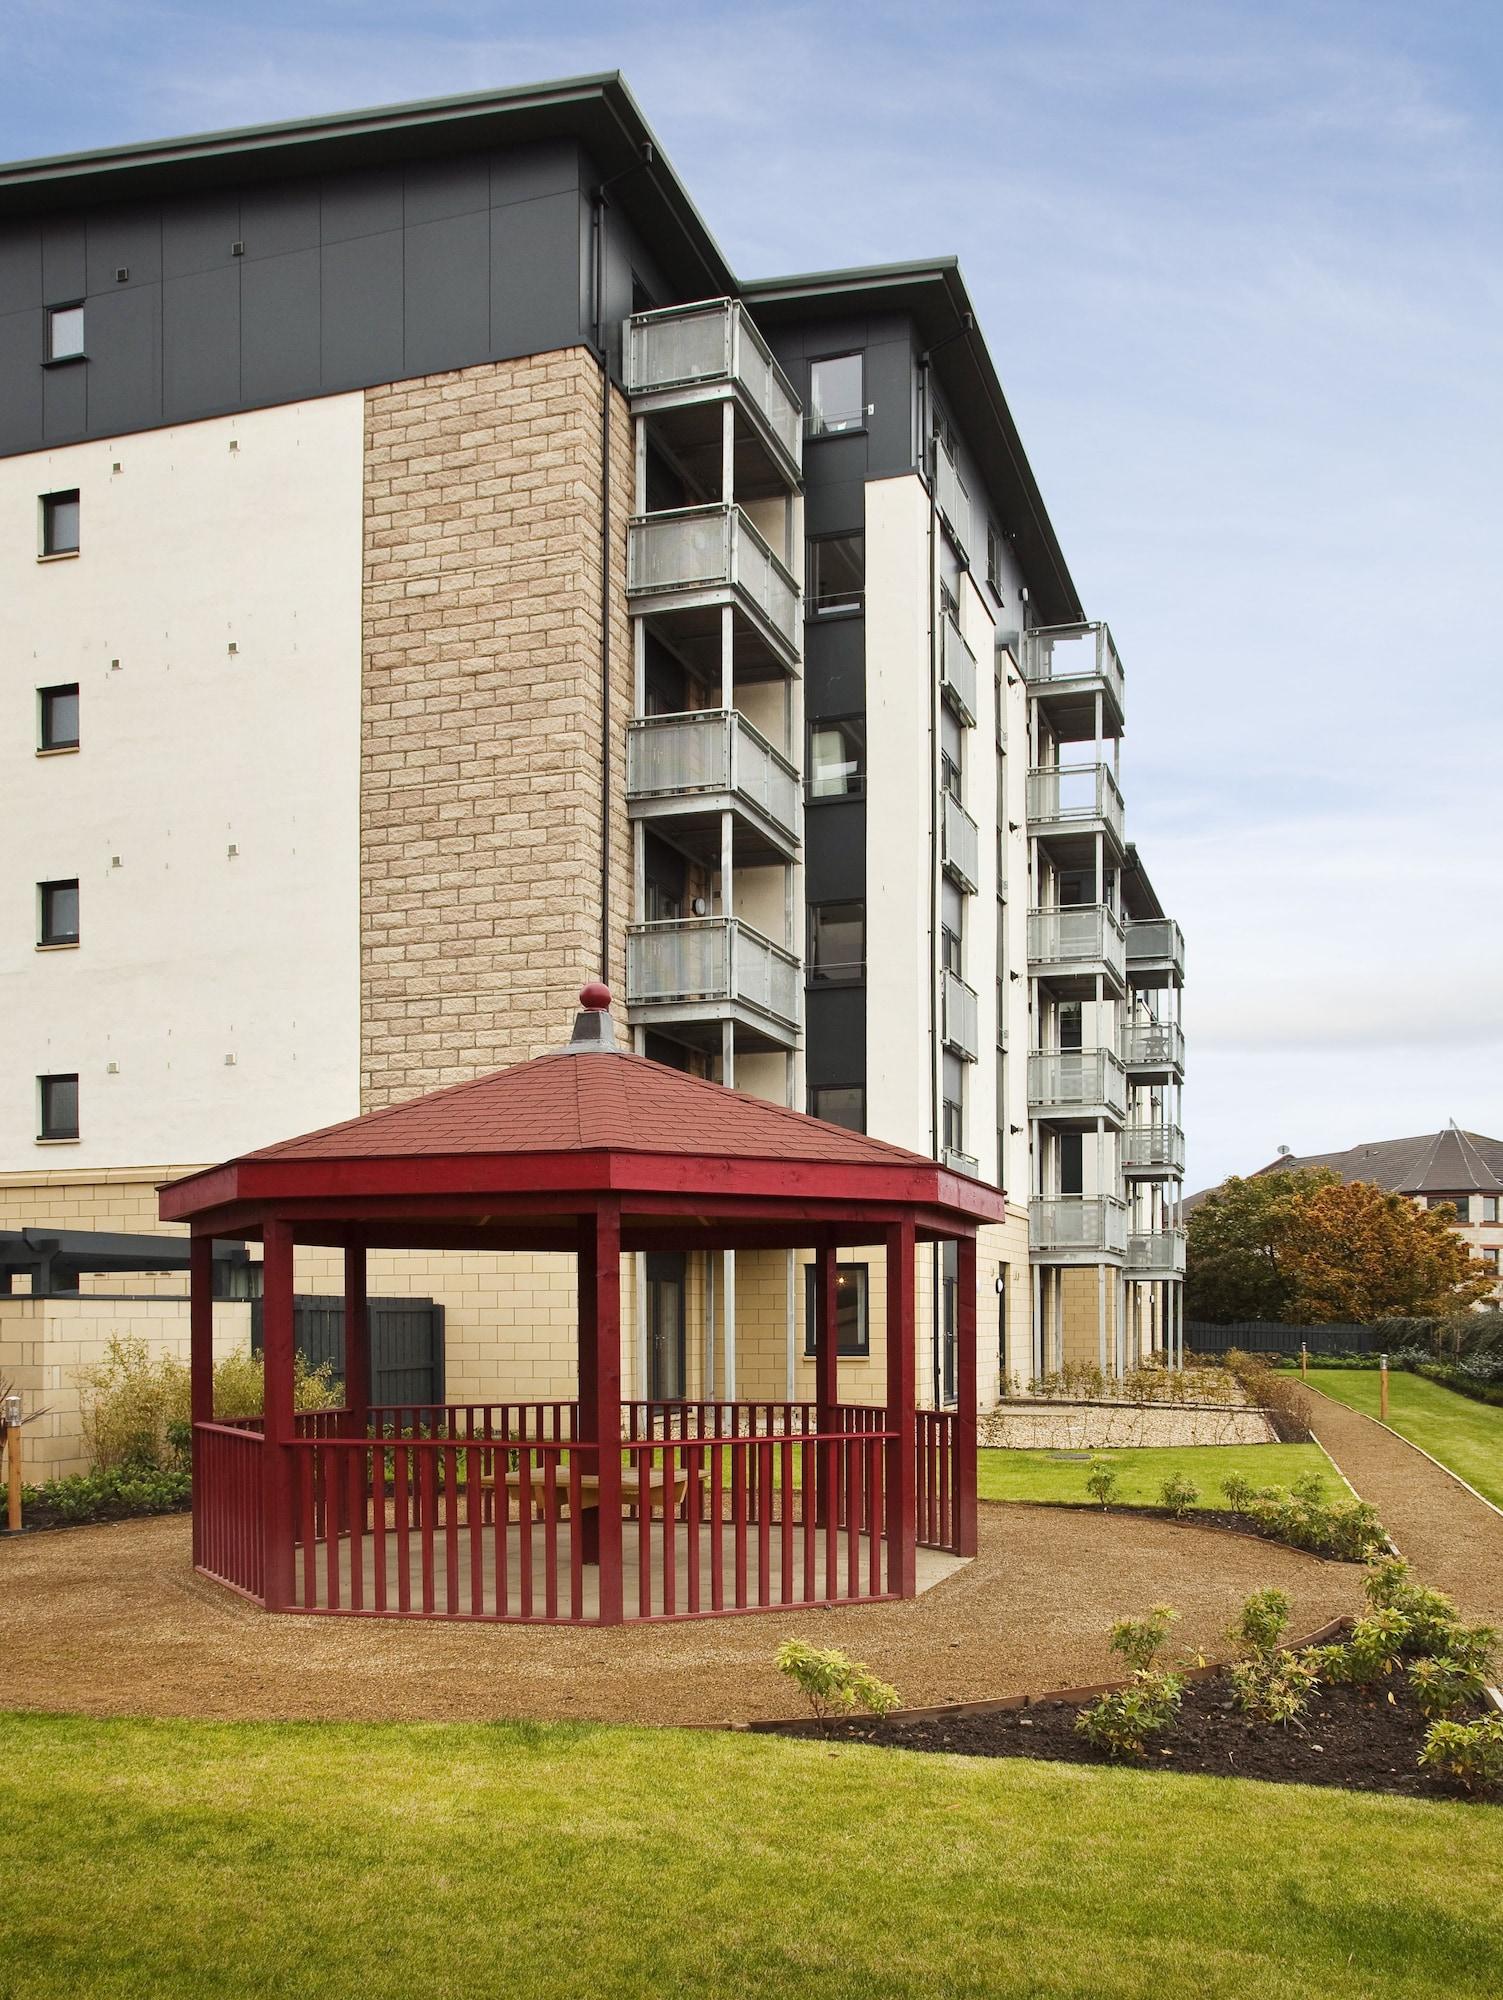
362, 204
435, 190
279, 327
64, 263
64, 403
362, 311
125, 377
20, 266
198, 235
835, 487
531, 171
276, 220
835, 666
446, 311
835, 1035
835, 851
534, 274
201, 343
21, 404
889, 389
128, 239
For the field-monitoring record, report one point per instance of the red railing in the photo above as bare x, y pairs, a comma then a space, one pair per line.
228, 1535
543, 1422
936, 1484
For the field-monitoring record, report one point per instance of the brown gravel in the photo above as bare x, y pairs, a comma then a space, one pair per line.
112, 1621
1454, 1540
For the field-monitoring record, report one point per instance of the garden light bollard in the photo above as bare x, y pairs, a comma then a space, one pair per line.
1304, 1362
1383, 1388
13, 1463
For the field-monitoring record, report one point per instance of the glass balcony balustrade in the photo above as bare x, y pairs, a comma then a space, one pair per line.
677, 765
706, 350
1077, 1223
690, 555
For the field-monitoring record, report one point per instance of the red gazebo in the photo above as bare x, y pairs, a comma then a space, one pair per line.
596, 1509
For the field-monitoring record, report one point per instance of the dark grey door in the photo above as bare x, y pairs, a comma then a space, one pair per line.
666, 1326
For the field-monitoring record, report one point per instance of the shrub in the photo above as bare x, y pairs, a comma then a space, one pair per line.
128, 1399
1138, 1640
1350, 1530
1238, 1491
1470, 1754
1123, 1723
1261, 1622
1102, 1482
1179, 1495
1435, 1631
240, 1385
1311, 1488
1280, 1395
1374, 1650
832, 1683
112, 1494
1442, 1686
1273, 1686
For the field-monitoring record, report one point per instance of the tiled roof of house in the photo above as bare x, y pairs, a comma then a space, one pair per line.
1446, 1162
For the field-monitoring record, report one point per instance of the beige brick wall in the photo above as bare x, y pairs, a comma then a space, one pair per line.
482, 698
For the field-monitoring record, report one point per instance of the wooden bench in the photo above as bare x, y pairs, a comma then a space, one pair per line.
658, 1485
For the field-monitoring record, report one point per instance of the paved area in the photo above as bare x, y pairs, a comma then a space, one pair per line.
113, 1621
1454, 1540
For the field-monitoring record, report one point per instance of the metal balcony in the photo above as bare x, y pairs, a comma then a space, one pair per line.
1153, 1151
950, 496
1067, 800
961, 1018
1076, 1086
958, 672
1080, 940
1155, 952
960, 843
689, 563
689, 769
1076, 1229
960, 1163
684, 362
1154, 1051
1158, 1254
703, 971
1067, 667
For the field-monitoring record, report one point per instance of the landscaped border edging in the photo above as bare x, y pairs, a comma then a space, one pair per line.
1465, 1485
1196, 1517
995, 1704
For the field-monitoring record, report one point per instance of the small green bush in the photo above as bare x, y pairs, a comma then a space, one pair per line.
1349, 1530
1237, 1490
832, 1683
115, 1493
1373, 1652
1470, 1754
1274, 1686
1261, 1622
1440, 1687
1123, 1724
1138, 1640
1179, 1495
1102, 1482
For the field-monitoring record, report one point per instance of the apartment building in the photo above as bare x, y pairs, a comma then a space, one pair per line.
434, 579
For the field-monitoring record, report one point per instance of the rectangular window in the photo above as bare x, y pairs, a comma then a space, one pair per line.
57, 1102
57, 913
852, 1320
839, 1104
952, 1102
1490, 1208
1071, 1163
1490, 1258
951, 926
60, 523
1462, 1204
994, 558
835, 396
65, 333
837, 943
1071, 1025
57, 717
837, 574
837, 759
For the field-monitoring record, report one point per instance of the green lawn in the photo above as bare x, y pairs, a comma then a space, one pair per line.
1466, 1436
1142, 1470
404, 1862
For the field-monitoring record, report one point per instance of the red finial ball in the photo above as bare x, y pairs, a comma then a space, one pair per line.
596, 996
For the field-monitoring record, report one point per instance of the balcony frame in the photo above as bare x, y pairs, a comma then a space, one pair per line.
960, 1015
1145, 1263
761, 835
1070, 699
1161, 1144
1060, 823
1159, 959
724, 585
1048, 1105
1163, 1068
1059, 971
957, 682
1108, 1239
721, 1000
964, 867
652, 392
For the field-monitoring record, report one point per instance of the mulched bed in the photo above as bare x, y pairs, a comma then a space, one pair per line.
1349, 1736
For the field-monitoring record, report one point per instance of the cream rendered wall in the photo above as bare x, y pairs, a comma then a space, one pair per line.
899, 951
243, 531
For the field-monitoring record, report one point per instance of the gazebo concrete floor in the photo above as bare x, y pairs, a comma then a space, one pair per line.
113, 1621
932, 1567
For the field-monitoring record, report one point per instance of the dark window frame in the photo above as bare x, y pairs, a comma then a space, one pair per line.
46, 894
843, 428
994, 560
50, 357
46, 1129
857, 1090
46, 739
846, 604
850, 724
825, 977
50, 503
861, 1350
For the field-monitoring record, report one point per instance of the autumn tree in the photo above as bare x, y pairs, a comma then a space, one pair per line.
1356, 1253
1235, 1242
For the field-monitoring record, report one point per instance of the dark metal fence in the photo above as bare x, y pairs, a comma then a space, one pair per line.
1257, 1336
407, 1343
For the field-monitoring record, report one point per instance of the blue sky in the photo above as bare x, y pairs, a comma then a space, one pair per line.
1240, 267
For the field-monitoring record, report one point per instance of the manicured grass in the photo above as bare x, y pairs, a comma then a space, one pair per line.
405, 1862
1142, 1469
1466, 1436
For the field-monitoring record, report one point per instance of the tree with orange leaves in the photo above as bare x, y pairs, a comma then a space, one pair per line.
1355, 1253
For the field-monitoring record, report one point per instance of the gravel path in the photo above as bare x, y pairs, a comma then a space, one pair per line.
112, 1621
1454, 1540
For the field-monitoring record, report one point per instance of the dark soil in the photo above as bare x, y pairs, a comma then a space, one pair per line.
1354, 1737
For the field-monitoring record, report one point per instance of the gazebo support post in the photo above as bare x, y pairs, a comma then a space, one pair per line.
826, 1378
200, 1360
278, 1510
599, 1528
357, 1343
902, 1378
965, 1396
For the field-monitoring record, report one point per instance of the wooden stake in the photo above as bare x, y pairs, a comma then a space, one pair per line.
13, 1492
1304, 1362
1383, 1387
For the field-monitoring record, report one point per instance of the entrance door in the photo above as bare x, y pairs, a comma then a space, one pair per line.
665, 1326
